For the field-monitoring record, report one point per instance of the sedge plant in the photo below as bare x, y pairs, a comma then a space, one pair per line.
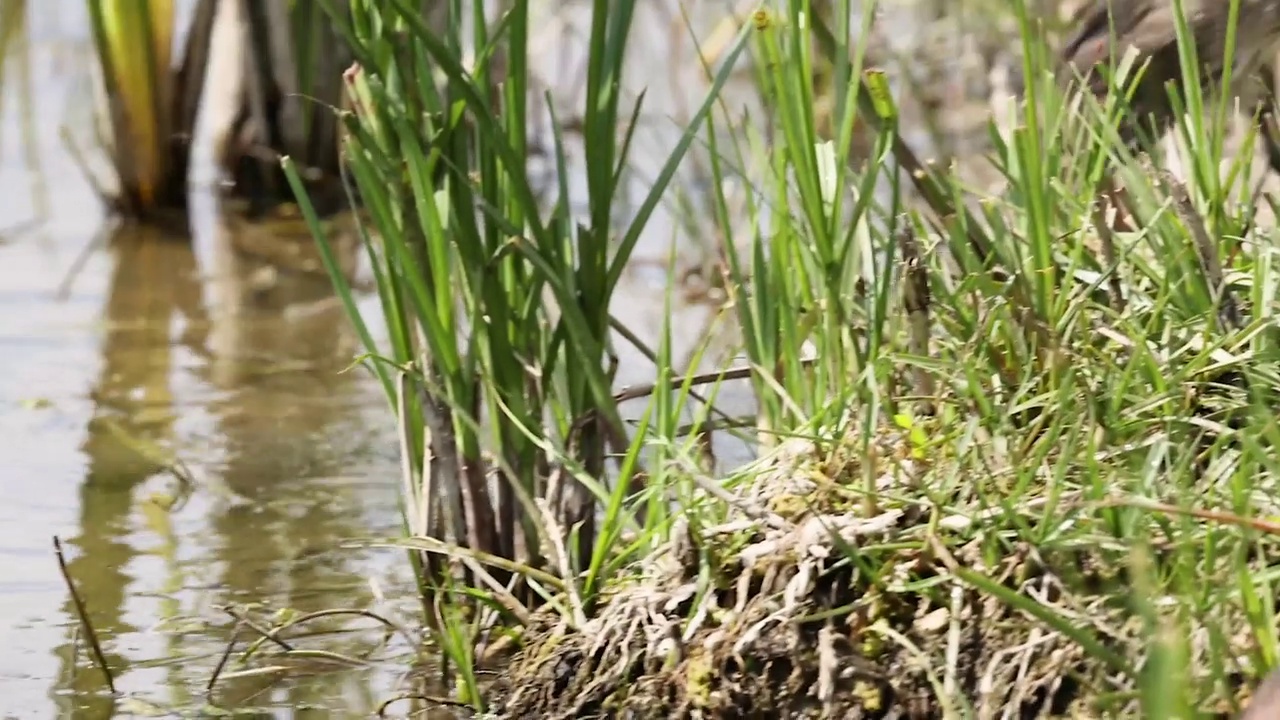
152, 102
520, 478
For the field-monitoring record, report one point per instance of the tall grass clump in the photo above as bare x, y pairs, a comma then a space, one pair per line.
497, 357
1021, 446
152, 103
291, 62
292, 83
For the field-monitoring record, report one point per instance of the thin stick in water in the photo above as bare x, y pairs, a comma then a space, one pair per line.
222, 661
267, 633
89, 633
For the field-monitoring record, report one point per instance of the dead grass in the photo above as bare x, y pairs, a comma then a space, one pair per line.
812, 609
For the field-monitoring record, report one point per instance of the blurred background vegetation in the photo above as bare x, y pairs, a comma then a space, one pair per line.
152, 63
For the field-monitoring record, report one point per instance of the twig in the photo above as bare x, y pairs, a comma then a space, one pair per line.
560, 553
710, 426
444, 465
1207, 251
916, 300
1108, 242
330, 656
64, 287
1266, 526
633, 392
359, 612
828, 667
634, 340
272, 633
222, 661
432, 699
77, 156
89, 633
7, 234
418, 492
950, 677
266, 633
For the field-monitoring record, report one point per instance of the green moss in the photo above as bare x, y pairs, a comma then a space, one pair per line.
789, 506
870, 695
699, 677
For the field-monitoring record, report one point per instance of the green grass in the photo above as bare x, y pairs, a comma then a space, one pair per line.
1089, 426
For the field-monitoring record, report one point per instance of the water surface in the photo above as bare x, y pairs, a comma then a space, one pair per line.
164, 351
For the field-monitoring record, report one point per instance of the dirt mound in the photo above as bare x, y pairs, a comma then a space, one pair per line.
806, 603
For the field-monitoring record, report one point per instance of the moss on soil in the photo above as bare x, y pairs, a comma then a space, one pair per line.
799, 631
785, 625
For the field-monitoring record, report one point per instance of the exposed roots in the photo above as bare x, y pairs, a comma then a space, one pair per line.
766, 616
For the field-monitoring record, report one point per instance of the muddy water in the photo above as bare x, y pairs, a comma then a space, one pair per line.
165, 353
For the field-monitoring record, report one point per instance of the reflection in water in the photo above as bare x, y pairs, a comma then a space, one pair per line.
282, 416
154, 279
234, 368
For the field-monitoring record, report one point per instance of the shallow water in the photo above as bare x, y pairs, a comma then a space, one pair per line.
137, 367
164, 350
128, 360
103, 390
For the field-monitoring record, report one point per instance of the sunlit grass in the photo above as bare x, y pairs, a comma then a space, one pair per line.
152, 101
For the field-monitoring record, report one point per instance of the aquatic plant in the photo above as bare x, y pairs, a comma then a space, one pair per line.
151, 104
291, 82
291, 87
